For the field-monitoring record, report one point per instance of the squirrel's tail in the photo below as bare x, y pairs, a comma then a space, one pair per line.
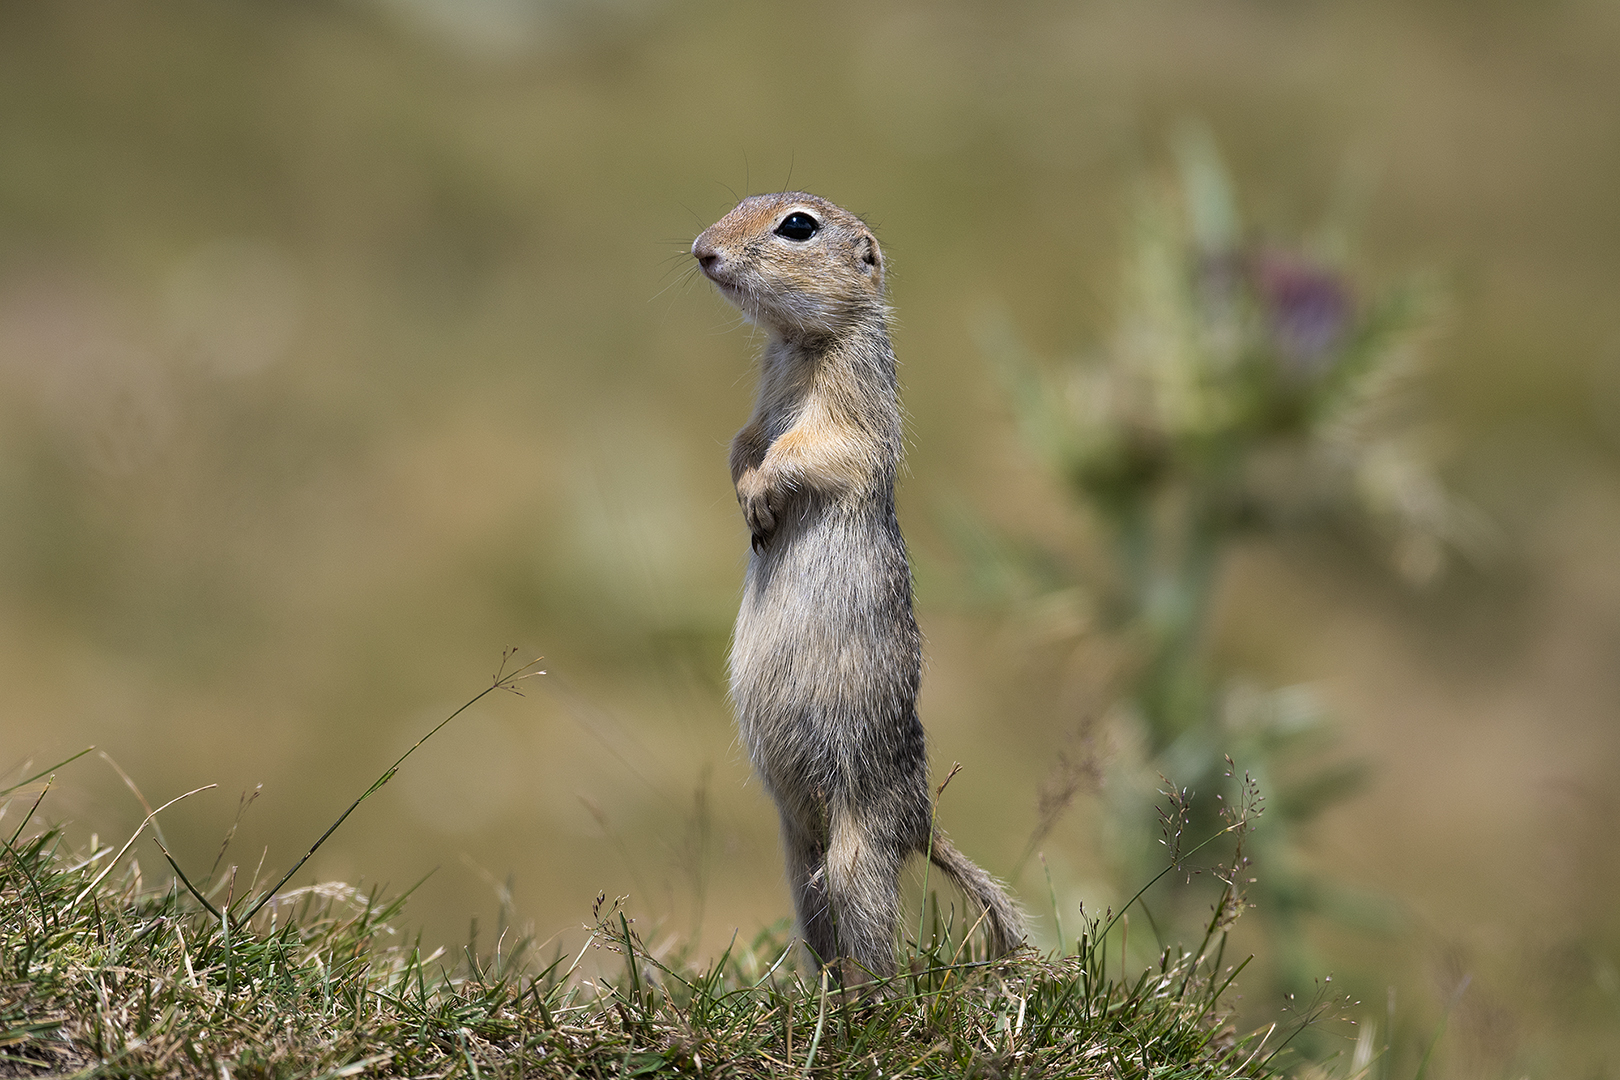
1001, 917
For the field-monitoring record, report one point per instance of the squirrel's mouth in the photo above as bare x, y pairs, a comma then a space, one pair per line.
713, 270
720, 272
731, 289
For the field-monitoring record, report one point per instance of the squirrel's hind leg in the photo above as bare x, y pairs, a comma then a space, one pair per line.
863, 882
806, 855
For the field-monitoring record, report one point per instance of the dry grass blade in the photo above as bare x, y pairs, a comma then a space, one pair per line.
147, 820
503, 680
19, 785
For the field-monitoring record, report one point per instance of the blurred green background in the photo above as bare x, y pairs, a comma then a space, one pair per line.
344, 344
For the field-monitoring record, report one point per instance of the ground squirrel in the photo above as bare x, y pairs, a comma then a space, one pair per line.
826, 658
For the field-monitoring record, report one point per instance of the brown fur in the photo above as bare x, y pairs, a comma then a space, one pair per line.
826, 658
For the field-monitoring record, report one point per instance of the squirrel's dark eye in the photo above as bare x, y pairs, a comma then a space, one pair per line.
798, 226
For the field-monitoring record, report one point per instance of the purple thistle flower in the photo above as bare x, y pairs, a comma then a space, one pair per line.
1307, 306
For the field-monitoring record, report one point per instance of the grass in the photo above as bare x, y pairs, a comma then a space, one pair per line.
103, 974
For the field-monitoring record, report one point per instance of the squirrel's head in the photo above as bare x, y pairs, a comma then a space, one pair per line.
794, 263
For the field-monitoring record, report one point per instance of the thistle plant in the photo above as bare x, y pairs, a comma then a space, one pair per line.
1248, 389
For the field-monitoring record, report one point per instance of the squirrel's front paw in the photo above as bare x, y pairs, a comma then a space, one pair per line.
755, 498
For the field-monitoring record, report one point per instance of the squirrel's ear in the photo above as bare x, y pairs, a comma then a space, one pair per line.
871, 255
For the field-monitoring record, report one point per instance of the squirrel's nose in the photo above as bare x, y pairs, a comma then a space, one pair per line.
704, 254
